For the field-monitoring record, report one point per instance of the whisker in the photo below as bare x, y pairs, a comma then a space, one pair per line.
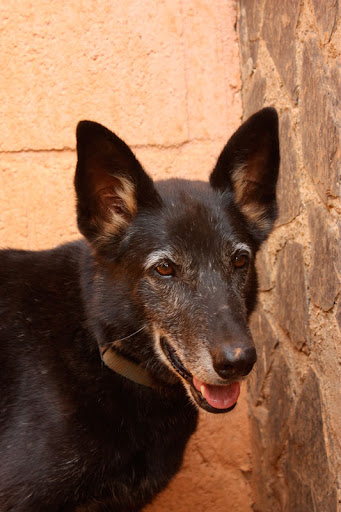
127, 337
133, 334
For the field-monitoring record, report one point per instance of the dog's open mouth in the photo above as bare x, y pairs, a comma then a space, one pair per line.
216, 399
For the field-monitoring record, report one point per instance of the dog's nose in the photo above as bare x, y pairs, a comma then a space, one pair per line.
229, 361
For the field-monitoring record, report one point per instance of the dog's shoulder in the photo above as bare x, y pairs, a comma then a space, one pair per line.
37, 290
27, 262
23, 270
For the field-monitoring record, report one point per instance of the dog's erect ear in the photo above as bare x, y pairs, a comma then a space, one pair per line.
110, 183
248, 166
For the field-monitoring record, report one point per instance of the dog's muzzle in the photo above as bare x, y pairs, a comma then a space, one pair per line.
213, 398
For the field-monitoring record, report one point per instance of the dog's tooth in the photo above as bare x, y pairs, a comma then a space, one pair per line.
202, 389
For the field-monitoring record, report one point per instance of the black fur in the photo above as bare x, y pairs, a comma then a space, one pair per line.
75, 435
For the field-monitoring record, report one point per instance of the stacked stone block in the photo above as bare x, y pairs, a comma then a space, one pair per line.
290, 58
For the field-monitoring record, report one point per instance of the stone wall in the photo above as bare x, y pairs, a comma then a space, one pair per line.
165, 77
290, 58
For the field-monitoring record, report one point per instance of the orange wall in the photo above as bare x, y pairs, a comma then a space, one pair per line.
165, 77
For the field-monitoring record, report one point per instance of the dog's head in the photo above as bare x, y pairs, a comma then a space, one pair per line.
175, 259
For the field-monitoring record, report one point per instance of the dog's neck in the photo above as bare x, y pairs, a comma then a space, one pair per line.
127, 368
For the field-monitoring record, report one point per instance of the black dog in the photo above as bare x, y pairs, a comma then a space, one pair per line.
109, 344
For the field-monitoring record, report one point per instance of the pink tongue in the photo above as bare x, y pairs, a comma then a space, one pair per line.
219, 397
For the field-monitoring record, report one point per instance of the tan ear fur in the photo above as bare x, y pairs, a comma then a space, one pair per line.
118, 206
244, 187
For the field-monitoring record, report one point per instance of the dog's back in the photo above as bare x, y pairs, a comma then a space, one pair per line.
109, 345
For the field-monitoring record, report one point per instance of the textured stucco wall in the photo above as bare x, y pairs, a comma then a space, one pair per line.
165, 77
290, 53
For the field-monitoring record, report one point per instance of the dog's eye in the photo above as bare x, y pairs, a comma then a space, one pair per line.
241, 260
165, 269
